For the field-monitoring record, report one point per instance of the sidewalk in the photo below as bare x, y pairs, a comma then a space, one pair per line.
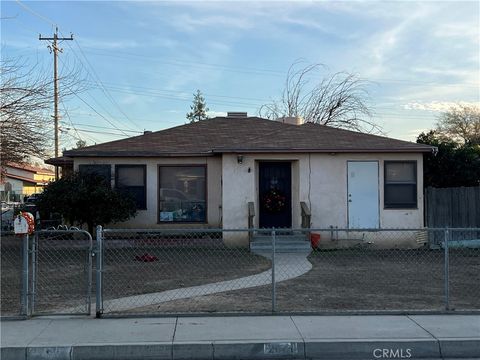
244, 337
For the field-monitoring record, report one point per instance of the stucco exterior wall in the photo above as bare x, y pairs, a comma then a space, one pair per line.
320, 180
149, 218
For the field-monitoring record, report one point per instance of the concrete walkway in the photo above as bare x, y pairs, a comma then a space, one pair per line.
287, 266
249, 337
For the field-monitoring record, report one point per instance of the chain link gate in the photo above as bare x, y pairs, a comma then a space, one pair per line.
61, 272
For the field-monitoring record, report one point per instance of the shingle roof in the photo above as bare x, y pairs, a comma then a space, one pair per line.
30, 168
252, 134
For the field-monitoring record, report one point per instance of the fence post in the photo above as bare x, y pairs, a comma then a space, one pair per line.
99, 274
274, 286
447, 271
25, 258
34, 272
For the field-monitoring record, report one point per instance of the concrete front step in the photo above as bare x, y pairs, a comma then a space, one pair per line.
268, 251
283, 244
280, 238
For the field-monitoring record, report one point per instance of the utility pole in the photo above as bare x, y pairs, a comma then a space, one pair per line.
55, 49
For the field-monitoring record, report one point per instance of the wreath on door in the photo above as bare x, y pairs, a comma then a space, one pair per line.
274, 201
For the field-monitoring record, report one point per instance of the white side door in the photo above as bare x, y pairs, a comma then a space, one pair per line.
363, 195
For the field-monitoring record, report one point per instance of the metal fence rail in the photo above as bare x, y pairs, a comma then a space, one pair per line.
463, 258
61, 277
220, 271
49, 272
182, 271
145, 271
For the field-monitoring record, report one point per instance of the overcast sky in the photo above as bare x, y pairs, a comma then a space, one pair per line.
143, 60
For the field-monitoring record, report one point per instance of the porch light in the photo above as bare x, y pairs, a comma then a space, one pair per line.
240, 159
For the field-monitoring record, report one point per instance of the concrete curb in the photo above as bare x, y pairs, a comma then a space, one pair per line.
460, 348
369, 337
345, 349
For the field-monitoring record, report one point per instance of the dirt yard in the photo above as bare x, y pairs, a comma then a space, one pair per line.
340, 280
171, 268
349, 280
62, 271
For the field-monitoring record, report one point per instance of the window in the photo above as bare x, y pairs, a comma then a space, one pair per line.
400, 184
182, 193
132, 179
100, 170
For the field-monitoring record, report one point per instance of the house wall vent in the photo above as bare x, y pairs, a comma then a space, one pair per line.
236, 114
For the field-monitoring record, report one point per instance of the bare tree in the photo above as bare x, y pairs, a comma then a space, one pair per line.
26, 97
339, 100
461, 123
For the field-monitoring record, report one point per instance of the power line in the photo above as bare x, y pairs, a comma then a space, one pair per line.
183, 63
30, 10
106, 127
179, 97
70, 120
105, 91
240, 104
183, 92
53, 24
100, 85
99, 104
55, 50
96, 132
99, 114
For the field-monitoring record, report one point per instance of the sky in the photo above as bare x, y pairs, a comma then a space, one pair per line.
141, 62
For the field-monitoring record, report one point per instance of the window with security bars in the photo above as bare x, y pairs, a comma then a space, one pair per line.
182, 193
400, 185
131, 179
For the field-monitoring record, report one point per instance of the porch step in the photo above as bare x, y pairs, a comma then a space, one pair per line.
283, 244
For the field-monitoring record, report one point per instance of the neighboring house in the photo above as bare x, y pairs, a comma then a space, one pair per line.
206, 173
19, 180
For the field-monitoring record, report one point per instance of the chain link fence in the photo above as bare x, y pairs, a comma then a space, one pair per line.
219, 271
176, 271
49, 272
11, 274
147, 272
61, 279
463, 268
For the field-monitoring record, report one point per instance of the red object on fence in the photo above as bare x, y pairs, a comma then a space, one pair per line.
146, 258
314, 240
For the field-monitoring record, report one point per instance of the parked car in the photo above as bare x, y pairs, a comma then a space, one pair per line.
32, 198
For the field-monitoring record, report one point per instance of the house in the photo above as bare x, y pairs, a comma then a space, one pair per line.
20, 180
229, 172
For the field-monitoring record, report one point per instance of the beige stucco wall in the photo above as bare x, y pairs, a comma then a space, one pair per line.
149, 218
320, 180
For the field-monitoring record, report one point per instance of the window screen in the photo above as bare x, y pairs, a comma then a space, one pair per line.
400, 184
132, 179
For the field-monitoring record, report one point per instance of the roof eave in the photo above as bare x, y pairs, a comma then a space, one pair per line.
138, 154
376, 150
